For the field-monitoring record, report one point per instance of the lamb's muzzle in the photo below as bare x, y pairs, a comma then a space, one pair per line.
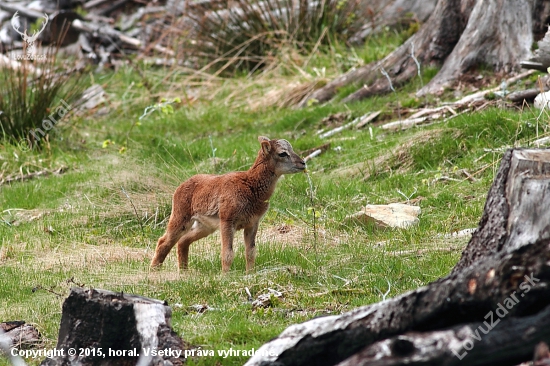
205, 203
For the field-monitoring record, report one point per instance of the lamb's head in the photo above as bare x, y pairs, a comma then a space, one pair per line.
281, 155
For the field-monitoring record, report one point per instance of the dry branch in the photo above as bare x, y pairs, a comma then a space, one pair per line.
363, 120
481, 94
105, 30
368, 119
28, 176
527, 95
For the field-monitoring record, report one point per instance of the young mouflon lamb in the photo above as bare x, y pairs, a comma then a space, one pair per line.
229, 202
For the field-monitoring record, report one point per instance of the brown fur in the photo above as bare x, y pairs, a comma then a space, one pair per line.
229, 202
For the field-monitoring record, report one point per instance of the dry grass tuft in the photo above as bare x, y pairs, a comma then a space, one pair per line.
398, 161
246, 35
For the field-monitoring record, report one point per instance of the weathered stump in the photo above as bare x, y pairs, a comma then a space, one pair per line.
492, 309
100, 327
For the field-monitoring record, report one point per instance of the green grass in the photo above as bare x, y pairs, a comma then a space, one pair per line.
80, 227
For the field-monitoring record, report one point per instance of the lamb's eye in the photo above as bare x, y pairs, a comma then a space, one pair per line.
283, 154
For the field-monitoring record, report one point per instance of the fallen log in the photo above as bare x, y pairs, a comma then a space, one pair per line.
28, 176
107, 31
115, 329
492, 309
527, 95
18, 334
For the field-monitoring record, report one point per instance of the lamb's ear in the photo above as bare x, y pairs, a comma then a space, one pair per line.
266, 146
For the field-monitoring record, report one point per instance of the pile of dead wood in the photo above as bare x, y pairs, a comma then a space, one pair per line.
161, 31
106, 31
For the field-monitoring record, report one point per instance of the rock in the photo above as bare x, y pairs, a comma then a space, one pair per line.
541, 100
396, 215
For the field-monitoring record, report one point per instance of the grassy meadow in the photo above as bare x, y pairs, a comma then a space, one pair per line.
97, 224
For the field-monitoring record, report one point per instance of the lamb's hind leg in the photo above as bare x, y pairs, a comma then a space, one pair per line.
164, 245
174, 231
227, 231
250, 246
197, 232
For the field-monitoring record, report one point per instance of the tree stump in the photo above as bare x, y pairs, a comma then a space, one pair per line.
100, 327
492, 309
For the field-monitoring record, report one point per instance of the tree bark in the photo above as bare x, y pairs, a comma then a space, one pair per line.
454, 319
498, 34
435, 40
391, 13
107, 328
460, 35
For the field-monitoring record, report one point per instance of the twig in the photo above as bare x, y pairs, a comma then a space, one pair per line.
417, 65
346, 281
393, 90
147, 111
135, 210
481, 94
212, 146
541, 141
315, 47
447, 178
404, 124
313, 154
316, 151
40, 287
387, 77
24, 177
408, 198
470, 177
434, 118
312, 202
250, 298
346, 126
369, 118
387, 292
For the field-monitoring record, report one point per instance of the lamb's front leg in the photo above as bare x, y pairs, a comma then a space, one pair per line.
227, 231
250, 245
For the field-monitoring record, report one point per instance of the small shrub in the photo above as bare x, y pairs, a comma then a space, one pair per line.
29, 93
246, 34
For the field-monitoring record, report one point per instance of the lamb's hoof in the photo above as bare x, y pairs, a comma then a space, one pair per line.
155, 267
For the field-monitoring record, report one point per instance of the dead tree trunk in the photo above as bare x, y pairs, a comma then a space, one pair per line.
460, 35
100, 327
492, 309
391, 13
